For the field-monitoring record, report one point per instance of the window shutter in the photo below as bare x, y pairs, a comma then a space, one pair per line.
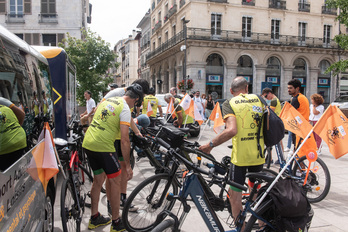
60, 38
27, 38
44, 6
52, 6
27, 6
36, 39
2, 6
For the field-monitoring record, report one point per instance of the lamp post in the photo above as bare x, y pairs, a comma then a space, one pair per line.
184, 66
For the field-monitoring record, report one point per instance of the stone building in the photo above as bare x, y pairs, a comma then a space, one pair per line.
268, 41
45, 22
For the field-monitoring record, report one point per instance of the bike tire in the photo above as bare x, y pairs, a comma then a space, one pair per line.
69, 208
264, 208
145, 217
166, 225
318, 183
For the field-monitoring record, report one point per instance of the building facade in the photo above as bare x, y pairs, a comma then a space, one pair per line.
45, 22
145, 26
269, 42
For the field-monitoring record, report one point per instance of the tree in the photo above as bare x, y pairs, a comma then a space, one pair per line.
341, 39
92, 58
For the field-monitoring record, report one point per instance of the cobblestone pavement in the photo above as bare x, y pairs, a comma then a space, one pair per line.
331, 214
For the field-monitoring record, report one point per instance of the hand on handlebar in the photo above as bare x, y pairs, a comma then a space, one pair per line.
205, 148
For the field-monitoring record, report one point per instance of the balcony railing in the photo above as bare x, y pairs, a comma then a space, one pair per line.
166, 18
248, 2
157, 26
15, 18
305, 7
48, 18
221, 1
182, 2
237, 37
172, 10
327, 10
277, 4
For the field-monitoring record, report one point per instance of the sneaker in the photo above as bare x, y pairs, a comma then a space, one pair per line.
286, 149
118, 227
132, 208
99, 221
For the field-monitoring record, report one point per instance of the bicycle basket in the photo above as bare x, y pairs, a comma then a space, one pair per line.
173, 136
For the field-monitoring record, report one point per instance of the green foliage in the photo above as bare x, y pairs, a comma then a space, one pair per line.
92, 58
341, 40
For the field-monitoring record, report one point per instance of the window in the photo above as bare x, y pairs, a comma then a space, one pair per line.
159, 41
2, 6
16, 8
302, 33
49, 39
216, 24
166, 36
327, 34
27, 6
20, 36
174, 30
275, 30
246, 27
48, 7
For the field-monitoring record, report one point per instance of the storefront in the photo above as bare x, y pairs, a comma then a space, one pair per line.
215, 75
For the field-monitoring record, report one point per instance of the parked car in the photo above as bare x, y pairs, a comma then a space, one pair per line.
342, 103
162, 103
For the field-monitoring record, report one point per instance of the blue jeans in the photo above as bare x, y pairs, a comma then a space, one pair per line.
289, 139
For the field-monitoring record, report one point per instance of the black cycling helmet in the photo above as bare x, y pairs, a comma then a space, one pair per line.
152, 90
138, 90
113, 85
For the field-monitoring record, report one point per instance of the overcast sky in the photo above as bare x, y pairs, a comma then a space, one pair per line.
115, 19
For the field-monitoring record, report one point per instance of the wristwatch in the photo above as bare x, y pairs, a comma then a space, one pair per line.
211, 144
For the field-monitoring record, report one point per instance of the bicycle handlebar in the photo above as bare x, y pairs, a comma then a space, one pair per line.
194, 167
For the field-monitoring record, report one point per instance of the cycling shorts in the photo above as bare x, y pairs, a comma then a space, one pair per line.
237, 174
104, 162
117, 145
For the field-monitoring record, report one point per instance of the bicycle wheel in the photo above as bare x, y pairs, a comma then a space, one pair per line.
318, 182
166, 225
265, 211
146, 197
69, 210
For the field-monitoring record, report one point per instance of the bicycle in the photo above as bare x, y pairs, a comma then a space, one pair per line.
75, 188
319, 181
207, 203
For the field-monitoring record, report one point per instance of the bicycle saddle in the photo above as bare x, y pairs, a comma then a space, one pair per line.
263, 176
60, 142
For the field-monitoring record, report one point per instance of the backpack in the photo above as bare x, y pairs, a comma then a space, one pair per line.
293, 210
273, 126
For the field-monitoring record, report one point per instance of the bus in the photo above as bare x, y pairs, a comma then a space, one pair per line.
25, 81
63, 75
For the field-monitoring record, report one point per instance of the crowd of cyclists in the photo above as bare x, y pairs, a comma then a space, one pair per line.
107, 142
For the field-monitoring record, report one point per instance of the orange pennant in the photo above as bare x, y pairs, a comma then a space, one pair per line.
149, 110
332, 127
294, 121
216, 117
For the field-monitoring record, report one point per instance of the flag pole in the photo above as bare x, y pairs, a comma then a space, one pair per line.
171, 113
281, 172
201, 133
185, 121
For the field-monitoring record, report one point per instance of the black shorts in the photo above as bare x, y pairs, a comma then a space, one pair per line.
117, 145
104, 162
237, 173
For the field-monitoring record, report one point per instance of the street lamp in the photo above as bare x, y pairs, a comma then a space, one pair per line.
184, 47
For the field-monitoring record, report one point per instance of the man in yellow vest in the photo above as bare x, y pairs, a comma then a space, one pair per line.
154, 104
242, 116
110, 123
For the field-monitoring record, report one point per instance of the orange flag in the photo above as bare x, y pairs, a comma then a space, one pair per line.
197, 116
43, 165
185, 103
216, 117
332, 127
294, 121
170, 109
149, 110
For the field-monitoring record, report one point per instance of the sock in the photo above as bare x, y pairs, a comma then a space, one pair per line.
115, 222
93, 217
123, 196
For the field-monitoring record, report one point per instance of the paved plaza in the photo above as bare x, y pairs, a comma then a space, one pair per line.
329, 215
